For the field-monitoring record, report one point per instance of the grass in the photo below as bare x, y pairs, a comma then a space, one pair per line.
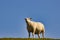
27, 39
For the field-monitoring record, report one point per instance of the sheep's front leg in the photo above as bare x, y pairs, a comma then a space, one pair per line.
29, 34
39, 35
33, 33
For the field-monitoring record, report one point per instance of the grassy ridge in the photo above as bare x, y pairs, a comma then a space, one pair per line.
27, 39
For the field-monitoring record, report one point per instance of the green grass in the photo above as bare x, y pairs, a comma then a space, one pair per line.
27, 39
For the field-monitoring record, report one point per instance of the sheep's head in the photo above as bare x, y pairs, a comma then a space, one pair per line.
26, 19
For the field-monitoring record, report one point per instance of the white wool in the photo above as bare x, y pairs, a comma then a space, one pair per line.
31, 25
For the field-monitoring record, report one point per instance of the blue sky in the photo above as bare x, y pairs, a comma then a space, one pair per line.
13, 12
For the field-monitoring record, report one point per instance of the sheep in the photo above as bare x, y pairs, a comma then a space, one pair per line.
34, 27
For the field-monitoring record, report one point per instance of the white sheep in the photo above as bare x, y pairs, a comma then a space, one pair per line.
34, 27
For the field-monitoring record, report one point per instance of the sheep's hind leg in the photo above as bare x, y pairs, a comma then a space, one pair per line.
43, 34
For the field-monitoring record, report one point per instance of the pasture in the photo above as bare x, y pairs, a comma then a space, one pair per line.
27, 39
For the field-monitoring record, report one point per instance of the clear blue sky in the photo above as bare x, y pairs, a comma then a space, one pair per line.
13, 12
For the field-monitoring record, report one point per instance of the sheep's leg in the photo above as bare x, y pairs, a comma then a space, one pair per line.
38, 35
29, 34
33, 33
43, 34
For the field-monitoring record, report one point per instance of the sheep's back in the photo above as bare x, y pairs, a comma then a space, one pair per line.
40, 26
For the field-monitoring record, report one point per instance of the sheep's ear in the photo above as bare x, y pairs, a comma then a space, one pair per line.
30, 18
25, 18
